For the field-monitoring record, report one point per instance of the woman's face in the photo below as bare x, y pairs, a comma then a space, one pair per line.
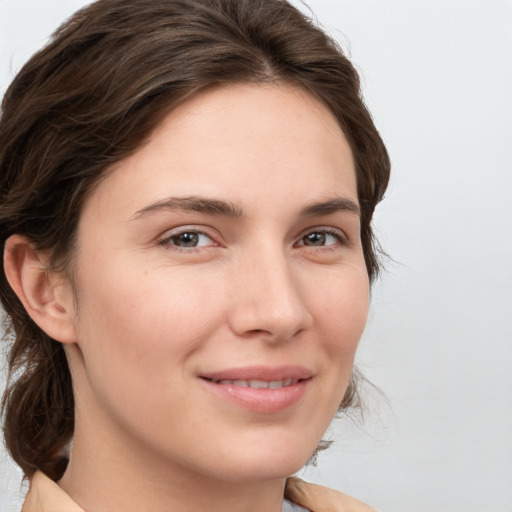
221, 288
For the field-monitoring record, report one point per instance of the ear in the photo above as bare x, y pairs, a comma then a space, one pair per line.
46, 296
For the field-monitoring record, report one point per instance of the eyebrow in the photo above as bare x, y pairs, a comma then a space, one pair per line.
231, 210
330, 206
193, 204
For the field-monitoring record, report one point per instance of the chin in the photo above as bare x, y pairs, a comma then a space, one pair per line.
265, 462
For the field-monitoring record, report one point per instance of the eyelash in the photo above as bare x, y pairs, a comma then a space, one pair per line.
166, 242
340, 237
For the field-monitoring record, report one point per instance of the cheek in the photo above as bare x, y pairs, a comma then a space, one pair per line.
137, 336
343, 309
342, 313
137, 324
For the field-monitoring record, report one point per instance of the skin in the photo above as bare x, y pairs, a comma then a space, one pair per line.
266, 285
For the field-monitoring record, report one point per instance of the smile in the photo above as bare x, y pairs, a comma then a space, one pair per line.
260, 389
258, 384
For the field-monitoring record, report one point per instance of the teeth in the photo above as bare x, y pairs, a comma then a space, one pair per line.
258, 384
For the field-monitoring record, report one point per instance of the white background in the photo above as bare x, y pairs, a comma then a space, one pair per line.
437, 76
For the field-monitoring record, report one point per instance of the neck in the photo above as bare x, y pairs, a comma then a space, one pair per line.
109, 472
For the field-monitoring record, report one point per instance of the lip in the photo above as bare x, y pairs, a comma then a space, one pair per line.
266, 373
261, 400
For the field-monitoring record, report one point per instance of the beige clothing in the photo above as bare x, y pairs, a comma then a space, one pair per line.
46, 496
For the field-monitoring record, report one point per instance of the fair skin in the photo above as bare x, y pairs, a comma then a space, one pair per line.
225, 249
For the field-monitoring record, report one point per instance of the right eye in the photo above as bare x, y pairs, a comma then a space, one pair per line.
188, 239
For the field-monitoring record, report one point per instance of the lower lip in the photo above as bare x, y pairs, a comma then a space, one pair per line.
266, 401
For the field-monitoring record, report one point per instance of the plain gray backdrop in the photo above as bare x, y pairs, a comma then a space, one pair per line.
437, 76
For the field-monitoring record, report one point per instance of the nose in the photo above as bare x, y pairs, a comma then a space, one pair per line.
267, 299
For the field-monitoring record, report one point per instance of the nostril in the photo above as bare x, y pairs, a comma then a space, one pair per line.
258, 332
270, 335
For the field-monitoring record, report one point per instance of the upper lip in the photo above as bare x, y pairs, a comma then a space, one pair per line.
263, 373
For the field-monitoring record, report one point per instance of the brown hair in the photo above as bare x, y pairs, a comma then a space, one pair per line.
89, 99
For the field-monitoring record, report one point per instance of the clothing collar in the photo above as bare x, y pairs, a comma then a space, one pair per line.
45, 495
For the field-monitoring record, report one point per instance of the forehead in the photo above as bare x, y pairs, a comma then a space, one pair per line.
243, 141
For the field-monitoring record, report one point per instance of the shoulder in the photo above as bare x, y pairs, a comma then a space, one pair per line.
318, 498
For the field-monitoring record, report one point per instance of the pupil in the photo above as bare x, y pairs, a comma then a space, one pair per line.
315, 239
188, 239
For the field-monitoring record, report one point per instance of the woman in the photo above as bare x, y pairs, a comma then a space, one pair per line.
187, 188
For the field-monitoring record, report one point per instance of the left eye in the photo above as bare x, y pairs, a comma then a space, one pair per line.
189, 239
320, 239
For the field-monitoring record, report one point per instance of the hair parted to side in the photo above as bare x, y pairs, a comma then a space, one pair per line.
89, 99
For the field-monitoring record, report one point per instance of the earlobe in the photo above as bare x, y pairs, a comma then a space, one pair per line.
47, 297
